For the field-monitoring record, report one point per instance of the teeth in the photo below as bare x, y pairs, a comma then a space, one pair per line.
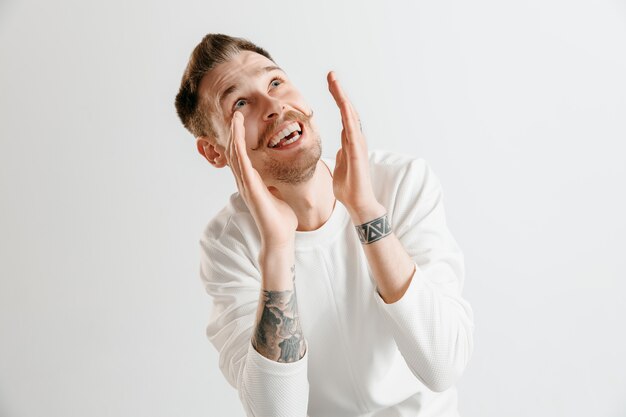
286, 131
292, 140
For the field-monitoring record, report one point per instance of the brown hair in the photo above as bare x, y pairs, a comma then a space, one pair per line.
214, 49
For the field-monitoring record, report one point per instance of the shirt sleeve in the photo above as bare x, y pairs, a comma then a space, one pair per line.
432, 324
265, 387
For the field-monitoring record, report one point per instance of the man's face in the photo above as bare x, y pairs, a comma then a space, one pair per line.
255, 86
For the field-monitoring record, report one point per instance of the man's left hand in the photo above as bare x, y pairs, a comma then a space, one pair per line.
351, 179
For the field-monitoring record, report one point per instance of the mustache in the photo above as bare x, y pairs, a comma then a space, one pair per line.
290, 116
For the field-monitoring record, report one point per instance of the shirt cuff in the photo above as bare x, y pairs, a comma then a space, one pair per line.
277, 368
271, 388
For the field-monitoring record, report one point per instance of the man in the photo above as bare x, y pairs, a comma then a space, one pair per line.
376, 325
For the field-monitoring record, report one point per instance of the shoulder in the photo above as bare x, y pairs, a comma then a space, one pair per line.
229, 246
393, 164
392, 173
389, 158
388, 168
232, 228
400, 183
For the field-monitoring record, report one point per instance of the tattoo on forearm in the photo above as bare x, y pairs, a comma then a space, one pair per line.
374, 230
278, 335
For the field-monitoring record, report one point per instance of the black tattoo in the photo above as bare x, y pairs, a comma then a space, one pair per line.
278, 335
374, 230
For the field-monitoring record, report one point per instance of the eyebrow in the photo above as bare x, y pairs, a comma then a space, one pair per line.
230, 90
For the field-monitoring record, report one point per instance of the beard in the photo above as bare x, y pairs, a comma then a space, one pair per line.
302, 167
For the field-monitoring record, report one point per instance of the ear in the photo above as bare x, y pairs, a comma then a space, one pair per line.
212, 151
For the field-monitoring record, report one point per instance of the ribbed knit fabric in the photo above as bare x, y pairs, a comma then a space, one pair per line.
364, 357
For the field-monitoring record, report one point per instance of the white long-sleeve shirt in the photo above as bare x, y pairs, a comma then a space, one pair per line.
363, 357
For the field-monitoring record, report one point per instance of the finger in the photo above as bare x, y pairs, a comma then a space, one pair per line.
340, 97
234, 157
349, 118
245, 166
229, 150
249, 177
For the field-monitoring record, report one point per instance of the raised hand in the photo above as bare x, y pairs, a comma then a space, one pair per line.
351, 179
274, 218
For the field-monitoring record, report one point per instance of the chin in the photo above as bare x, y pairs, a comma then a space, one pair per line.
297, 170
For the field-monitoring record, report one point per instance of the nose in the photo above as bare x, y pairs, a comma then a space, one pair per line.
273, 108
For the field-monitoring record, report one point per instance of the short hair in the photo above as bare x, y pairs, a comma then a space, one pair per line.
215, 48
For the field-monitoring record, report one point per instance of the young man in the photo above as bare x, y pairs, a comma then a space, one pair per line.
376, 324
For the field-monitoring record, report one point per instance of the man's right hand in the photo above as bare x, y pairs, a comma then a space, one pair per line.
275, 219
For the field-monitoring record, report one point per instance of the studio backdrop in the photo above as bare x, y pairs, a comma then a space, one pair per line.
518, 107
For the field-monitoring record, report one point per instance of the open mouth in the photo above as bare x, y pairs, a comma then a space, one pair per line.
290, 134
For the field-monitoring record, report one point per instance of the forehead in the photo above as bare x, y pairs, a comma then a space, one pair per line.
243, 66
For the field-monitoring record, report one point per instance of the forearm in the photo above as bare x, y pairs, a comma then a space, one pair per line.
431, 323
389, 262
278, 335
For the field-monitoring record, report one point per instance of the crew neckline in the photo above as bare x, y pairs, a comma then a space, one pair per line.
331, 227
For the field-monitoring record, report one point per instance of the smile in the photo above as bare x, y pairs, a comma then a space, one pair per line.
289, 135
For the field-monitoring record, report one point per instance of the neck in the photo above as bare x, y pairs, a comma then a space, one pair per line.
312, 201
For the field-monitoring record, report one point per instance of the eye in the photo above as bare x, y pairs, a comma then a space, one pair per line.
238, 102
277, 80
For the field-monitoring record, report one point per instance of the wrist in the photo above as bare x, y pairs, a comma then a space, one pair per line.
366, 213
277, 267
272, 243
374, 230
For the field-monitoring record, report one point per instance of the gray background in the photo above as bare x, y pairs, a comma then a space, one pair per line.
518, 106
